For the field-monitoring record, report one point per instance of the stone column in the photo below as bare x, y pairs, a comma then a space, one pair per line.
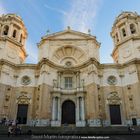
80, 113
82, 109
53, 110
128, 32
119, 34
59, 80
77, 109
56, 112
10, 30
78, 80
18, 35
23, 40
58, 106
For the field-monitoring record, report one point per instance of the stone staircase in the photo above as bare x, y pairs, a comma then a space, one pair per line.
72, 130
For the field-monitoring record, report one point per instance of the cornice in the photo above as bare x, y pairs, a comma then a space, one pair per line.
87, 63
51, 37
124, 41
70, 39
17, 66
64, 69
119, 66
4, 38
125, 15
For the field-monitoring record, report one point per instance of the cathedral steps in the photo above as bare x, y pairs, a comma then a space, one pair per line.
71, 130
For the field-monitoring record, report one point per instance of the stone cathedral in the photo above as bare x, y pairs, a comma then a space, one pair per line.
69, 85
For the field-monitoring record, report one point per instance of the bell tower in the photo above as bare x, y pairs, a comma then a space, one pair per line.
13, 35
126, 37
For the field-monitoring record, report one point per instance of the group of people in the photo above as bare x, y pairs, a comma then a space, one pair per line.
13, 127
131, 129
14, 130
6, 122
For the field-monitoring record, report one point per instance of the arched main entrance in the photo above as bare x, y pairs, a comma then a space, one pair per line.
68, 112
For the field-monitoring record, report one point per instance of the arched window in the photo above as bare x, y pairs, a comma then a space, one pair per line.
14, 33
5, 30
132, 28
123, 32
20, 38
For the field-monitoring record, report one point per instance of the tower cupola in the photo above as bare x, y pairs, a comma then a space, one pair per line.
126, 37
13, 35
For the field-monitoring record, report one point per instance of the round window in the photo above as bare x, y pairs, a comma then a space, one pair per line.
25, 80
68, 63
112, 80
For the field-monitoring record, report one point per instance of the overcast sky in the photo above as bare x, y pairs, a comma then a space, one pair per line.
81, 15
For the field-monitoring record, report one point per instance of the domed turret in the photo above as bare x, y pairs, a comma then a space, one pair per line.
12, 38
126, 37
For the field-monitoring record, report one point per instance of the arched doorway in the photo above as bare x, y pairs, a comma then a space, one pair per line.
22, 113
115, 114
68, 112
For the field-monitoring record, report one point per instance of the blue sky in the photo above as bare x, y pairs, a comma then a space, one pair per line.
81, 15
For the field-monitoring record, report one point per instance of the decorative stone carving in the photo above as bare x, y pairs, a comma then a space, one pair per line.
45, 68
25, 80
38, 96
63, 54
68, 64
55, 83
23, 99
114, 98
7, 97
121, 73
112, 80
91, 69
131, 101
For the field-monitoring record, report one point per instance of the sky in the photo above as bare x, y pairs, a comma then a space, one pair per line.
81, 15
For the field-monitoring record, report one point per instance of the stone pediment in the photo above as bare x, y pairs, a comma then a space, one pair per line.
69, 34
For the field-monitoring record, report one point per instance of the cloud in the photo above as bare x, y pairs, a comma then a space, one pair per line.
55, 9
2, 9
82, 14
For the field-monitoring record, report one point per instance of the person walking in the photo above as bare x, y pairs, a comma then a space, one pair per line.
10, 130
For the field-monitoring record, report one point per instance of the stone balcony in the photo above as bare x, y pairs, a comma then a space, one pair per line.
61, 89
68, 91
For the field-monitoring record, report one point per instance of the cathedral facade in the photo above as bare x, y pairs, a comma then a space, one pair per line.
69, 85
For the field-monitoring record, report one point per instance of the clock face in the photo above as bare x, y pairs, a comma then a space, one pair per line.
25, 80
112, 80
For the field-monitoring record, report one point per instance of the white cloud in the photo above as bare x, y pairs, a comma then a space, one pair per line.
2, 9
82, 14
55, 9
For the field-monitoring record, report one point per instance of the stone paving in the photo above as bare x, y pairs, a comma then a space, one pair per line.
72, 137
